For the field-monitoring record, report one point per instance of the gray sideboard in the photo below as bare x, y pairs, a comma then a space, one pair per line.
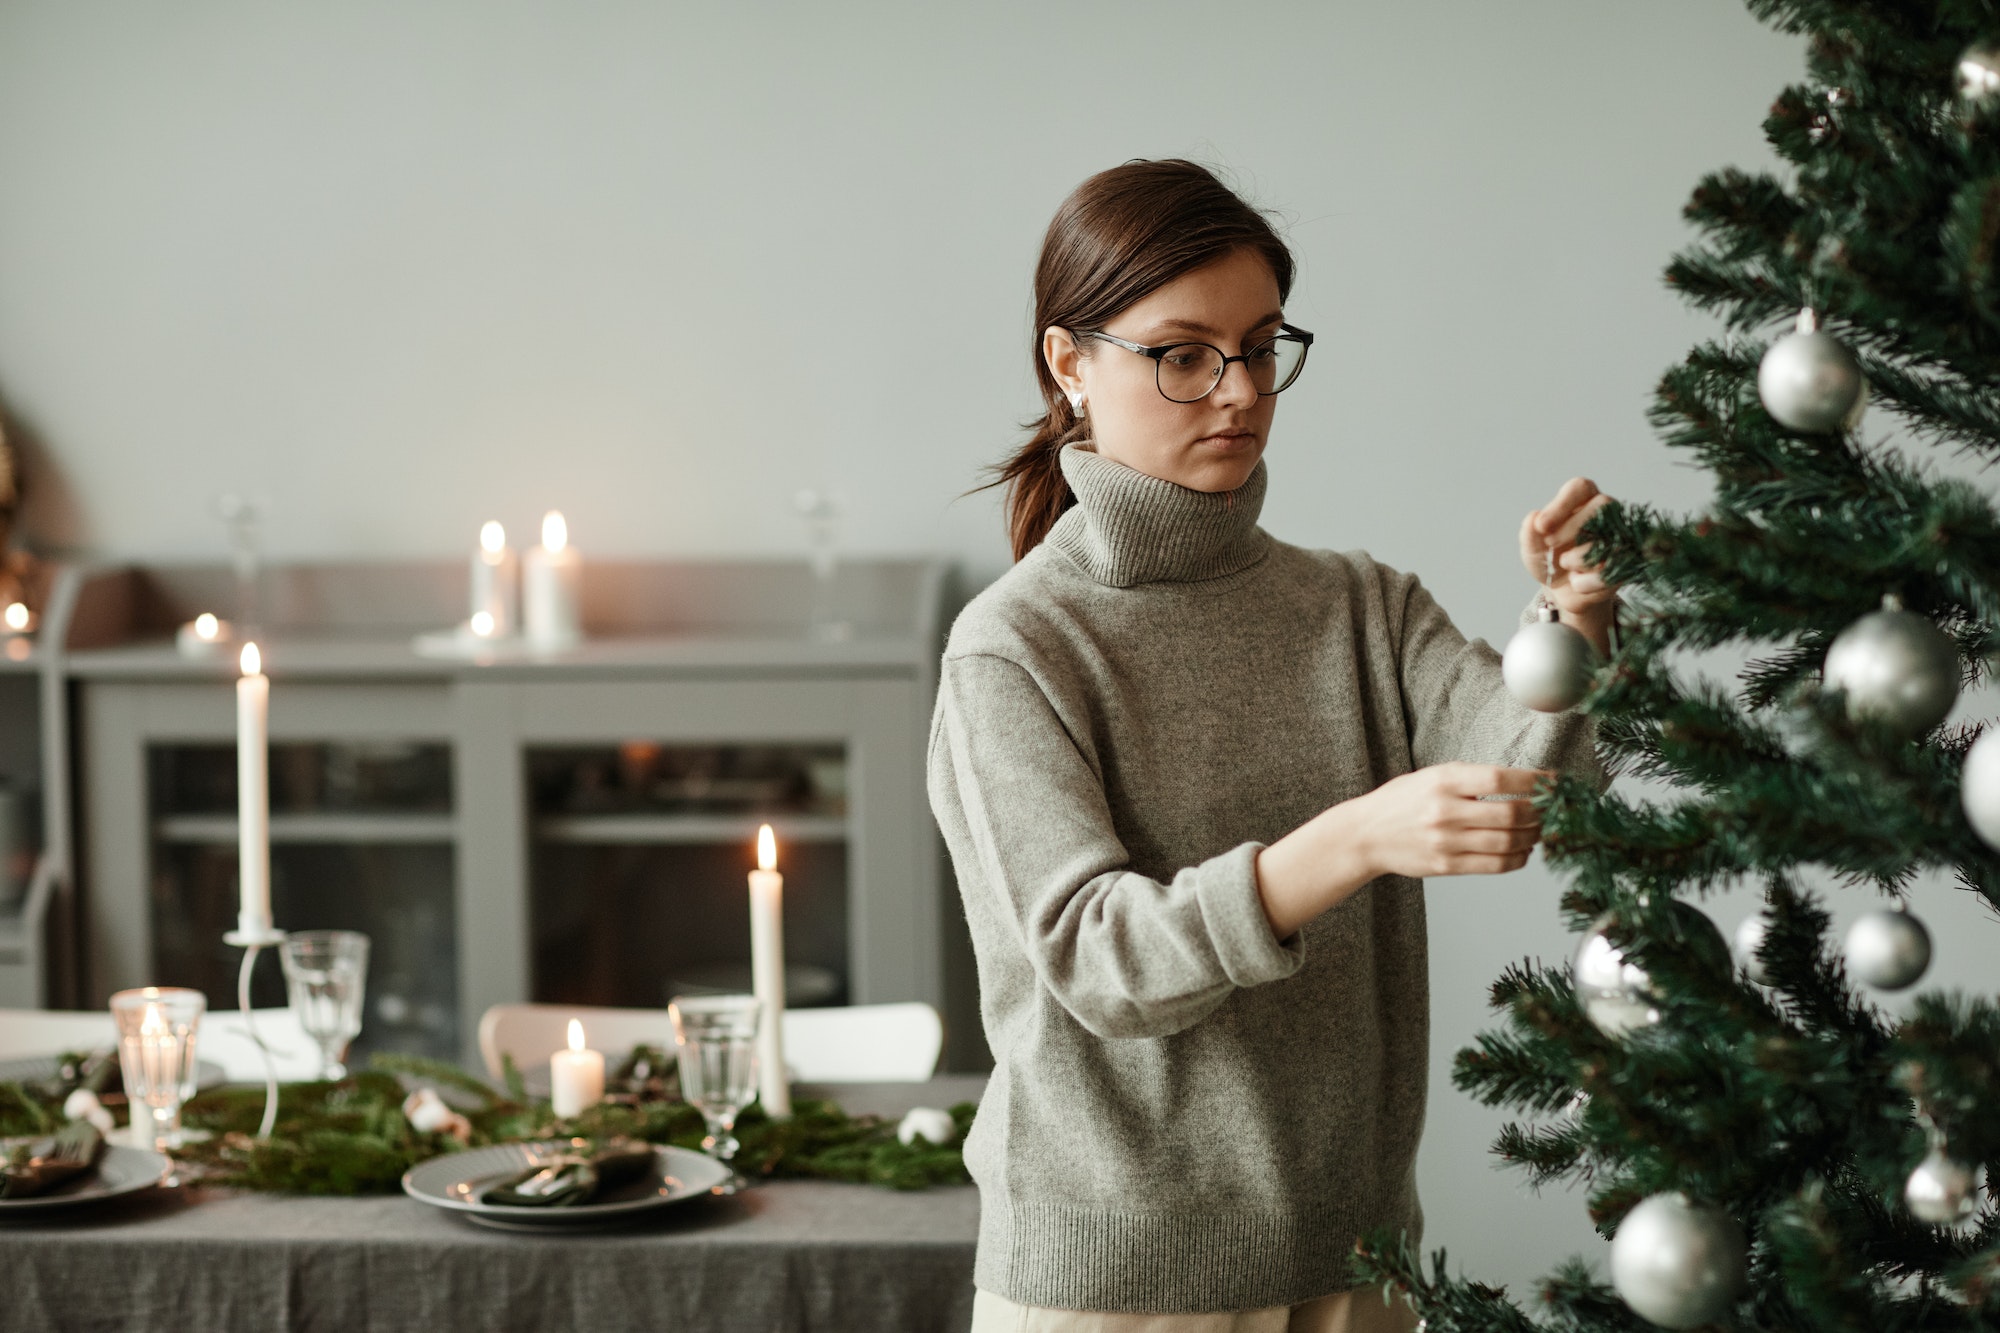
572, 826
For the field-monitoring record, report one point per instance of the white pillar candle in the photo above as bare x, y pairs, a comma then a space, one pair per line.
496, 585
253, 795
767, 975
576, 1076
552, 588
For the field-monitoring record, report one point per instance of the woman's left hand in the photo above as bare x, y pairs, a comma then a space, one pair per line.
1573, 580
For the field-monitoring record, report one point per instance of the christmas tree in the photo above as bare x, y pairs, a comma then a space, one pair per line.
1765, 1144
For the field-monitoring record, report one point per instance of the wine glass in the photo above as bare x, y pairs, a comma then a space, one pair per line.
325, 972
717, 1039
156, 1037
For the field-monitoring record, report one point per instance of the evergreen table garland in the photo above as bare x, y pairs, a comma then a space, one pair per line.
351, 1137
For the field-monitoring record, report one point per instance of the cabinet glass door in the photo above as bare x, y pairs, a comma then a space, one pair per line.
638, 864
361, 839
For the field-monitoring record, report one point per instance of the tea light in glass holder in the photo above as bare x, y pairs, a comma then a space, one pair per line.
17, 624
156, 1043
207, 635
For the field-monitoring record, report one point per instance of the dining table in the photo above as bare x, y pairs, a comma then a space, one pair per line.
780, 1255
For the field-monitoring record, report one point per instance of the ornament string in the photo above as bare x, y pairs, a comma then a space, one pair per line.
250, 952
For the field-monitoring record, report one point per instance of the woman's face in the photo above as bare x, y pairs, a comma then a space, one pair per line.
1210, 445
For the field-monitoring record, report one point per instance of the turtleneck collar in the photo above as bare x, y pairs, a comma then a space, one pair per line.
1128, 528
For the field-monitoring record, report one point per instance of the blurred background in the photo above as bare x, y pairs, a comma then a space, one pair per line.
397, 269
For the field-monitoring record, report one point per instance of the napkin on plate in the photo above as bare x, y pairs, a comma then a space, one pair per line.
574, 1178
39, 1167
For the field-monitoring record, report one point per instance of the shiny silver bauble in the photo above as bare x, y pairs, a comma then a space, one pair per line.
1979, 787
1896, 667
1811, 383
1942, 1191
1678, 1263
1887, 948
1979, 73
1547, 664
1749, 938
1616, 994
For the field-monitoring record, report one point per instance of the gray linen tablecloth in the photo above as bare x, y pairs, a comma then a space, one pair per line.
796, 1255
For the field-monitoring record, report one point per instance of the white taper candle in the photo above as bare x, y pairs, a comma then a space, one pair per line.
767, 975
496, 584
253, 795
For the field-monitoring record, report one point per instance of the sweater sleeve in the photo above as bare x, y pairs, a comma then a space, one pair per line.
1459, 708
1030, 831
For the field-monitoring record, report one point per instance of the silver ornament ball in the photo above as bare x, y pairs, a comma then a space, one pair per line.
1942, 1191
1678, 1263
1979, 787
1547, 665
1896, 667
1811, 383
1887, 948
1616, 994
1979, 73
1749, 938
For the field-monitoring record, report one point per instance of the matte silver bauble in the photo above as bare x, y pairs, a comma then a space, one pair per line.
1749, 938
1678, 1263
1979, 787
1942, 1191
1895, 666
1810, 382
1979, 73
1616, 994
1547, 664
1887, 948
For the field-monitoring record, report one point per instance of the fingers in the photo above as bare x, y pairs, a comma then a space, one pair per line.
1511, 814
1563, 534
1483, 864
1533, 549
1492, 780
1575, 493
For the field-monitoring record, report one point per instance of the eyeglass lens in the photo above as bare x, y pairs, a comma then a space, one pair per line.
1192, 370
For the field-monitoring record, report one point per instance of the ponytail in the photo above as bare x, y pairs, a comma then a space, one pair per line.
1037, 492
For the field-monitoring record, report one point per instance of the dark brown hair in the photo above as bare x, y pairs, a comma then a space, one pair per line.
1120, 236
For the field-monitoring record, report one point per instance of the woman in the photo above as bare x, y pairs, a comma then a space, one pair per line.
1190, 777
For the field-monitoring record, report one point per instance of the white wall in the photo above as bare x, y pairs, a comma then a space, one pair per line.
404, 267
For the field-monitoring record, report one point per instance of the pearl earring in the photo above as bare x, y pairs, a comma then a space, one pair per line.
1076, 402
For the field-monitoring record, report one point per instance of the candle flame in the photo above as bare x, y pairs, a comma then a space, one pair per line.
767, 849
482, 624
555, 532
252, 661
154, 1022
575, 1035
17, 615
493, 537
206, 626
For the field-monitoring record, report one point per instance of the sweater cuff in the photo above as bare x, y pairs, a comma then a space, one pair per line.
1234, 914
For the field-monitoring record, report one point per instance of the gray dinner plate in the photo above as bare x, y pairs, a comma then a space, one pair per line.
42, 1068
456, 1180
120, 1171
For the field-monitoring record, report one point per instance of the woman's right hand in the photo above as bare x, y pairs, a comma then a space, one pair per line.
1433, 822
1430, 822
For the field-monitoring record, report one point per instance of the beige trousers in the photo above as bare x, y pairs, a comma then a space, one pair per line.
1359, 1311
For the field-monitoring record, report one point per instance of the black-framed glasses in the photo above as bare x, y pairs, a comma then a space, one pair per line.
1189, 372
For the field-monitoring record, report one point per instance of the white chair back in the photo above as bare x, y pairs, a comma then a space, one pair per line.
222, 1039
864, 1043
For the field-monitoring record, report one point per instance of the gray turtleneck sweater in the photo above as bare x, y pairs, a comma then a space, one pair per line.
1186, 1113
